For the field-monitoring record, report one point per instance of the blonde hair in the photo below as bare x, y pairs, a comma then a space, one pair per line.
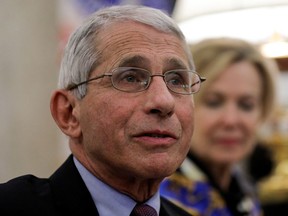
213, 56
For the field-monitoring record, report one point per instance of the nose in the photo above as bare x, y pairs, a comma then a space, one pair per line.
230, 115
160, 100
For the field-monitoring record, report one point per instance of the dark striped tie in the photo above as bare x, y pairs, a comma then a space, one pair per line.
143, 210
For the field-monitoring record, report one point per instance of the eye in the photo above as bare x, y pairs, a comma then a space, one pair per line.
246, 105
131, 75
128, 76
130, 79
213, 100
176, 79
213, 103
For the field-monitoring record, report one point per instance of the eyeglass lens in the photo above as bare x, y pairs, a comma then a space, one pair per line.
136, 79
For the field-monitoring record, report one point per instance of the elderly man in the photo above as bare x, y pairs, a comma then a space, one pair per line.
124, 101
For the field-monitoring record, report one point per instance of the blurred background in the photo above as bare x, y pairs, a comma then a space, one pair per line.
34, 32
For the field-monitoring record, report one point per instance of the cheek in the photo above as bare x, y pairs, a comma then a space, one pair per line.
100, 120
252, 123
200, 134
252, 126
186, 115
205, 122
205, 126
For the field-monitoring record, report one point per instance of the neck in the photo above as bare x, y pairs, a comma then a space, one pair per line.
139, 189
222, 175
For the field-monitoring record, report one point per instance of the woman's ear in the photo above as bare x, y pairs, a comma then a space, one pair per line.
64, 109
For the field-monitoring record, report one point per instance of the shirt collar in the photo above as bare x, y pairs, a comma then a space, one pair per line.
101, 194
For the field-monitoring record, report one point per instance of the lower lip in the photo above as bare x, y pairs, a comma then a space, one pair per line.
228, 142
154, 141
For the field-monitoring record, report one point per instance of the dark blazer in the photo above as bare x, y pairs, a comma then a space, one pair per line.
64, 193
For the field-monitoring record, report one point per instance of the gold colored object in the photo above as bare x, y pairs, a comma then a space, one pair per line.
274, 189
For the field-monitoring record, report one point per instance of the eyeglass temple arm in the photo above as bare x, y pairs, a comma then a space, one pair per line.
202, 79
73, 86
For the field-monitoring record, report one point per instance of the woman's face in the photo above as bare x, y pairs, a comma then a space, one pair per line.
228, 115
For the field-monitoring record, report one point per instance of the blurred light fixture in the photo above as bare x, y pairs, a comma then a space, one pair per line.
254, 21
276, 47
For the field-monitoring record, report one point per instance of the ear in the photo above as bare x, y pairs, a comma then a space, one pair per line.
64, 109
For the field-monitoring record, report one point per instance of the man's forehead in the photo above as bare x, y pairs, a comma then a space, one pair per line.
133, 27
137, 44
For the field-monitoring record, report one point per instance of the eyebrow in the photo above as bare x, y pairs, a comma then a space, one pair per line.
140, 61
175, 63
134, 61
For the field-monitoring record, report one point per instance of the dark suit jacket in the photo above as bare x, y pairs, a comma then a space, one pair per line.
64, 193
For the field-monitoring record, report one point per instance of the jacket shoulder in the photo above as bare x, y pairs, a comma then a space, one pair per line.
24, 193
23, 185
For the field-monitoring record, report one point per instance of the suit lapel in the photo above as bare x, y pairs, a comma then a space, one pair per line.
69, 191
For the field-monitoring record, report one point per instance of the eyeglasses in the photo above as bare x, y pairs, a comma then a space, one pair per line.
131, 79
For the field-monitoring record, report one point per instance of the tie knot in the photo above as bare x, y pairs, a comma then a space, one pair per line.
143, 210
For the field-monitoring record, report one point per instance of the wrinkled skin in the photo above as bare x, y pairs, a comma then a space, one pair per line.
131, 141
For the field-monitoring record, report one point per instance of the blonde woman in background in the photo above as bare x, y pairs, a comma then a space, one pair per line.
233, 103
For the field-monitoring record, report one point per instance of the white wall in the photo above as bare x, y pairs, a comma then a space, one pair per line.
29, 139
282, 88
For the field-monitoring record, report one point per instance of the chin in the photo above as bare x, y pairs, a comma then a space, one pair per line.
227, 159
161, 171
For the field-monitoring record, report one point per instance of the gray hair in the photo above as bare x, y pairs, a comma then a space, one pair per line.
81, 55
